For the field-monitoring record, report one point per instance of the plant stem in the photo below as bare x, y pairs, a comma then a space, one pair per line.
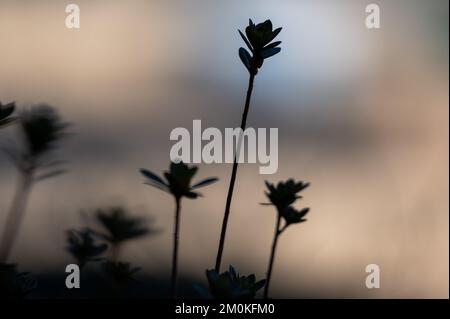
272, 256
176, 235
115, 249
233, 175
15, 215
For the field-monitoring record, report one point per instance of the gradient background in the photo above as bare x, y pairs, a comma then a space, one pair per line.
362, 114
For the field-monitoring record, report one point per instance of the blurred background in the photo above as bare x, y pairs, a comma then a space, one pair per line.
362, 114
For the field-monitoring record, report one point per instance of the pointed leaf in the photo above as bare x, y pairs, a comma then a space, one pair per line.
4, 122
158, 186
260, 284
205, 182
246, 40
272, 45
267, 53
192, 195
245, 58
152, 176
6, 110
50, 174
273, 35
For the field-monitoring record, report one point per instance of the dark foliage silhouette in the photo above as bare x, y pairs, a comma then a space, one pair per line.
41, 129
118, 227
5, 113
282, 196
120, 275
113, 227
14, 285
83, 246
258, 41
100, 245
177, 183
229, 285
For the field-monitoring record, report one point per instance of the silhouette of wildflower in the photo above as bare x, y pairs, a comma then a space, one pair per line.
178, 180
120, 274
230, 285
259, 41
41, 129
284, 193
14, 285
178, 183
83, 246
282, 197
120, 226
5, 113
293, 216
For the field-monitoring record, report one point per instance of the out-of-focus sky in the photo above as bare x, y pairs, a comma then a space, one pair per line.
362, 114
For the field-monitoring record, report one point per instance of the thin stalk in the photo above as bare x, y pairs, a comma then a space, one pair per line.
176, 236
115, 249
272, 256
15, 215
233, 175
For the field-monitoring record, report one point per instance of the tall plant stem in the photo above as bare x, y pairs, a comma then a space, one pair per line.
272, 256
233, 175
115, 249
176, 235
15, 215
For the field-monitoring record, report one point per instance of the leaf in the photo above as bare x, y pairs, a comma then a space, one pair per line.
192, 195
7, 109
7, 121
52, 163
272, 45
202, 291
303, 212
260, 284
50, 174
267, 53
273, 35
269, 185
205, 182
153, 177
158, 186
233, 272
245, 58
246, 40
266, 26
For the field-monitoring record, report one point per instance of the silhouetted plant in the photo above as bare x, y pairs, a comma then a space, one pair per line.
258, 40
229, 285
119, 274
282, 197
14, 285
118, 227
177, 183
6, 112
41, 130
83, 246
